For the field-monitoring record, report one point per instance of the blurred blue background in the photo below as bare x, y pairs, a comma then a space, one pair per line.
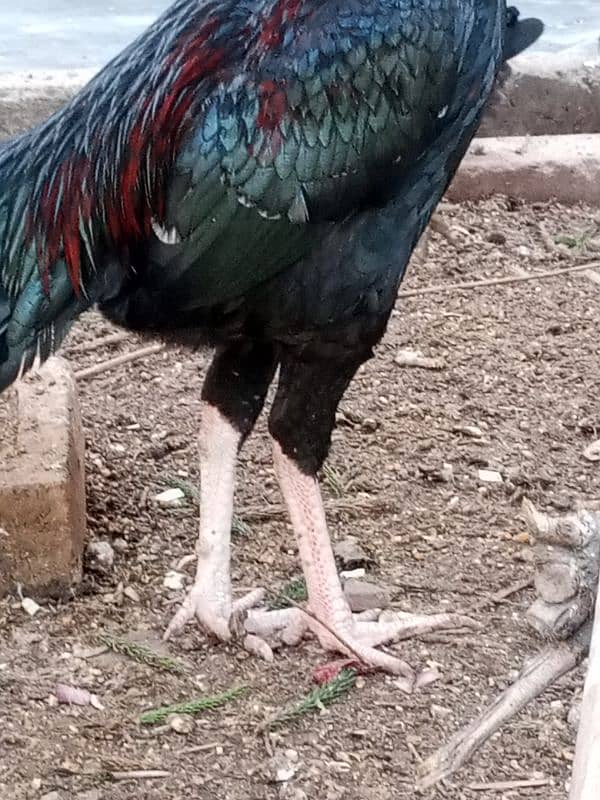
74, 34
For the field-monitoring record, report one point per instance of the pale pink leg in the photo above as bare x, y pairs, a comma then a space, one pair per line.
330, 618
210, 600
339, 630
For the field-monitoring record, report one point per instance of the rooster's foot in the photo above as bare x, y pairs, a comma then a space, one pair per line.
221, 618
354, 635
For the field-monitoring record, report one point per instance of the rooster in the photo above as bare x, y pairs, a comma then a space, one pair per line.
252, 175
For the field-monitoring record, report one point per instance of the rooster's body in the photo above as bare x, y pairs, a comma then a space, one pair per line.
252, 174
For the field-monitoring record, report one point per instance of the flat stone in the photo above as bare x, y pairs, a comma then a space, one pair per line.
365, 596
350, 554
42, 490
533, 168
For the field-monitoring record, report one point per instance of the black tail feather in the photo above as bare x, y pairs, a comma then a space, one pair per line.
4, 318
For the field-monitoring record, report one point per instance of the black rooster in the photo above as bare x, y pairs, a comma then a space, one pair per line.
254, 175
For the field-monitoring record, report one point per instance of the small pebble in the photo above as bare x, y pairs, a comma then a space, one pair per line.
100, 556
489, 476
369, 425
283, 765
131, 593
170, 498
289, 792
30, 606
181, 723
439, 712
557, 707
574, 715
348, 574
174, 580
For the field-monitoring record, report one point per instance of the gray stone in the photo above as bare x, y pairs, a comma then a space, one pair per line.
365, 596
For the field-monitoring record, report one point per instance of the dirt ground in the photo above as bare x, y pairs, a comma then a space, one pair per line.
519, 362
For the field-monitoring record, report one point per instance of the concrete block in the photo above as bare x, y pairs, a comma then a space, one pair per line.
42, 490
535, 169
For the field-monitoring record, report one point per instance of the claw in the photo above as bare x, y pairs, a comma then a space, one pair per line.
196, 606
258, 647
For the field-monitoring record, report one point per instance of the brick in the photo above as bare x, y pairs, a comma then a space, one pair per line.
534, 168
42, 489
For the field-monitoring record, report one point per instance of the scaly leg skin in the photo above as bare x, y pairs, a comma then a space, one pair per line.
356, 635
326, 601
301, 421
210, 599
233, 396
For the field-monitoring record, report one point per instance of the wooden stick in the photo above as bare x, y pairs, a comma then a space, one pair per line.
564, 531
118, 361
506, 786
200, 748
460, 287
543, 671
586, 769
502, 595
102, 341
139, 774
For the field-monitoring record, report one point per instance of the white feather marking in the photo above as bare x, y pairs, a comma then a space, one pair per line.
245, 201
268, 214
165, 235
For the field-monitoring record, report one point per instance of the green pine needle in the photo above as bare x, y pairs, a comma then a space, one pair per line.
240, 528
292, 592
334, 480
141, 653
321, 697
583, 240
192, 706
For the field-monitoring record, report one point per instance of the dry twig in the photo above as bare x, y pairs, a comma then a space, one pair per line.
139, 774
586, 769
566, 579
460, 287
357, 506
102, 341
542, 672
117, 361
507, 786
501, 595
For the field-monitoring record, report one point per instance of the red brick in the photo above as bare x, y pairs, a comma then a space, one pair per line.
42, 490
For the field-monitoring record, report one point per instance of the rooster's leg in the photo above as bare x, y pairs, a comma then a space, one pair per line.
298, 453
233, 396
331, 619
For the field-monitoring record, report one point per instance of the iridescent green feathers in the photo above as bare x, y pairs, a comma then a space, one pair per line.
222, 147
